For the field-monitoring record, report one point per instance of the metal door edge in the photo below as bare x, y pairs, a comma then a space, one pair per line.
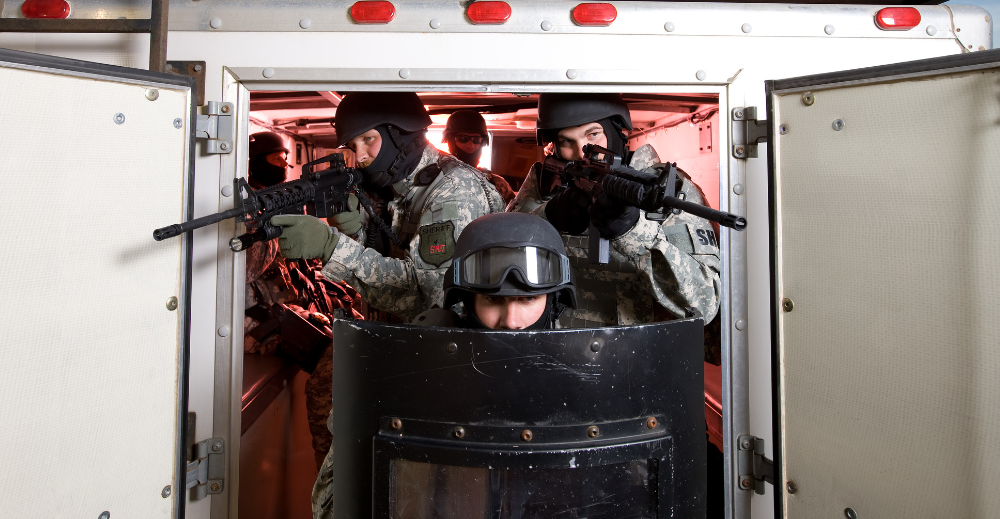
30, 60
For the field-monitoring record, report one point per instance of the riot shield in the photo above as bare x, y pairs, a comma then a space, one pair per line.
435, 423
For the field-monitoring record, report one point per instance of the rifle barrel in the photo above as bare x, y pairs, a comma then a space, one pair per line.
180, 228
721, 217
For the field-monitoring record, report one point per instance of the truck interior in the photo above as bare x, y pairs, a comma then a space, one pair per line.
277, 463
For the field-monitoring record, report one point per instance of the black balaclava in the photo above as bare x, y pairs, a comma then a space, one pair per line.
399, 154
544, 322
265, 174
471, 159
613, 131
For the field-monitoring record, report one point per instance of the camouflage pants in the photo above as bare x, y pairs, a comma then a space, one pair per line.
319, 401
322, 495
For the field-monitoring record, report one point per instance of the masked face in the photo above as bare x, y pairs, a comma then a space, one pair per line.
268, 170
509, 313
366, 147
570, 141
467, 147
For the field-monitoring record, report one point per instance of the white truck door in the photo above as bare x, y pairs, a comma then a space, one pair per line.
885, 286
95, 313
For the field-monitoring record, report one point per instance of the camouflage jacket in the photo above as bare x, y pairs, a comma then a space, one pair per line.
654, 267
428, 214
503, 187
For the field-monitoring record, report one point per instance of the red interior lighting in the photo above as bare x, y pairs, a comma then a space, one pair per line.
373, 12
594, 14
897, 18
488, 12
45, 9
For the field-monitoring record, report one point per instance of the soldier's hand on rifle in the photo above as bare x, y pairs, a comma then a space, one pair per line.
569, 211
349, 221
305, 237
612, 217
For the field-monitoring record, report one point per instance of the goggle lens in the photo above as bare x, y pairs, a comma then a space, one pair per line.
489, 267
464, 139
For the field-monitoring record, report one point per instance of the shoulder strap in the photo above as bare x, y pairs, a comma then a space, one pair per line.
424, 186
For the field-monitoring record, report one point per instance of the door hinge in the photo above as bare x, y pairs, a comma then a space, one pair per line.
755, 468
206, 472
216, 126
748, 132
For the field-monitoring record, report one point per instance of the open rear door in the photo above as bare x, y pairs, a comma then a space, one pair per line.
94, 334
885, 189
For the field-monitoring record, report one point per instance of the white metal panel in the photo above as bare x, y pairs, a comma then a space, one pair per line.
886, 244
91, 353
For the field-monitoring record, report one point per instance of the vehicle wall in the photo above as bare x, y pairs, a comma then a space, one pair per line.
729, 49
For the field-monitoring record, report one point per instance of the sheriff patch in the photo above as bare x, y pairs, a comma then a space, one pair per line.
437, 242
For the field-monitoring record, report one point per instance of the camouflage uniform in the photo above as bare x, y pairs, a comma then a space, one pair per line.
656, 270
501, 184
410, 281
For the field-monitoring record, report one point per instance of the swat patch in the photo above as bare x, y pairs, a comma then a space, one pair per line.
437, 242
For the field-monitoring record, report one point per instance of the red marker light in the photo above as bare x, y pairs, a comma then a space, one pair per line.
45, 9
373, 12
488, 12
594, 14
897, 18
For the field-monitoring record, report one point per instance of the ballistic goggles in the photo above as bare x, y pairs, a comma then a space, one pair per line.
488, 268
464, 139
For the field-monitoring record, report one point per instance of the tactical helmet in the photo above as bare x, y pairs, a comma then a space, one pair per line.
361, 111
510, 254
558, 111
263, 143
466, 121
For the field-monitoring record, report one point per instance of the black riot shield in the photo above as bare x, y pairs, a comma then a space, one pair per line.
434, 423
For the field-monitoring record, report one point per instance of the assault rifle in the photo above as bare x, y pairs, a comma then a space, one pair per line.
601, 170
322, 194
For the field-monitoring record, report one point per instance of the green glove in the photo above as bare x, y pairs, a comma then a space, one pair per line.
349, 221
305, 237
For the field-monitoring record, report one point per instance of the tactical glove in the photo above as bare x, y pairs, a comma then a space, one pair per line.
568, 211
305, 237
612, 217
349, 221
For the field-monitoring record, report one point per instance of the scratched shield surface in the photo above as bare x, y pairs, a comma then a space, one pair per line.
558, 380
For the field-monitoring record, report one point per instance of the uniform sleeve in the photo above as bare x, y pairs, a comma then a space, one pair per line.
528, 198
406, 287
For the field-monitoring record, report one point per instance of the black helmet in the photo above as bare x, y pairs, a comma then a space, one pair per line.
263, 143
362, 111
466, 121
558, 111
510, 254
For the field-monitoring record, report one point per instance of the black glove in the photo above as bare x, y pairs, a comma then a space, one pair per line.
612, 217
568, 211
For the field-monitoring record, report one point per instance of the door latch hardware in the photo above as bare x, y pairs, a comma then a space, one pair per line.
748, 132
755, 468
217, 126
206, 472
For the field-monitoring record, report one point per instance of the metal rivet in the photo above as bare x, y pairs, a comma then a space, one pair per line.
741, 325
572, 74
747, 28
225, 109
593, 431
152, 94
651, 422
223, 331
178, 123
404, 73
792, 488
828, 29
701, 75
808, 98
738, 189
931, 30
435, 24
215, 487
839, 124
451, 347
740, 150
745, 444
739, 114
268, 72
216, 447
215, 23
787, 305
172, 304
396, 424
119, 118
595, 346
104, 515
745, 483
850, 513
197, 68
459, 432
165, 492
305, 23
783, 129
227, 190
669, 27
546, 25
224, 146
526, 435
